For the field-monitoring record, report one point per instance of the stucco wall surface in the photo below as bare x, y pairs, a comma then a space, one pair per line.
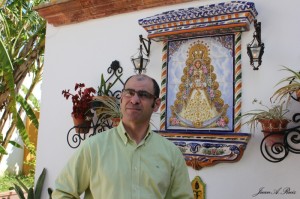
81, 52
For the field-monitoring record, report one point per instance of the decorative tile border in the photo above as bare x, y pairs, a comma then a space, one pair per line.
202, 150
221, 18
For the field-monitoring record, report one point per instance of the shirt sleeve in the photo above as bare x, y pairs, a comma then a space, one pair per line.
180, 187
73, 180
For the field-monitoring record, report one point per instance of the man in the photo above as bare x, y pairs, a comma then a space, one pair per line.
129, 161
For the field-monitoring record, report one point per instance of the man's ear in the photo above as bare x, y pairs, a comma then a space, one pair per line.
156, 104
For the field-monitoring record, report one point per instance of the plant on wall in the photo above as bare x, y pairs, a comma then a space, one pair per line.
272, 120
108, 108
291, 85
81, 101
275, 113
106, 105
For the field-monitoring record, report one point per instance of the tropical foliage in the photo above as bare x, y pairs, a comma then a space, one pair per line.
22, 44
32, 192
8, 178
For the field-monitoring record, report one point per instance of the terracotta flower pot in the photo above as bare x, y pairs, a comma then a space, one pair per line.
298, 95
273, 126
115, 121
81, 125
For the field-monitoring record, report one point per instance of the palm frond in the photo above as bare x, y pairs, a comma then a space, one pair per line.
7, 68
29, 112
292, 84
109, 107
2, 150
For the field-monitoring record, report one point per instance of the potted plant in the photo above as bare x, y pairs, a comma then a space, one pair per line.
105, 101
291, 85
106, 104
272, 119
81, 112
104, 92
110, 109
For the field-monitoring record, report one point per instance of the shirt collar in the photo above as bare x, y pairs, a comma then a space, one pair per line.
125, 137
122, 133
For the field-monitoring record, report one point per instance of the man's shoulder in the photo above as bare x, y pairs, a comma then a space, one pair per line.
164, 140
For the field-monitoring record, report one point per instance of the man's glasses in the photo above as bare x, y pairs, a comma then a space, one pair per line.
141, 94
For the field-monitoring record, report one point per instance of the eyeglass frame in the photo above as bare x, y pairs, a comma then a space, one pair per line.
150, 96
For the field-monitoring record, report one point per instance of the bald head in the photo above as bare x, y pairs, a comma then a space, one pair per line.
142, 77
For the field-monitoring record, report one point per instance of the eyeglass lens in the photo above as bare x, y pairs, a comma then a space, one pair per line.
141, 94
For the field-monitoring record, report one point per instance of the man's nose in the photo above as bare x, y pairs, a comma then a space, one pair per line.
135, 99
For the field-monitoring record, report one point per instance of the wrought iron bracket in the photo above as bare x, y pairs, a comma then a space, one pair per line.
278, 151
147, 47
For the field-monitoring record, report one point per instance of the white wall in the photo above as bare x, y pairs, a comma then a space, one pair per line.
81, 52
12, 163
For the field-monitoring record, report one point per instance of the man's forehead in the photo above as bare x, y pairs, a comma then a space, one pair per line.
139, 80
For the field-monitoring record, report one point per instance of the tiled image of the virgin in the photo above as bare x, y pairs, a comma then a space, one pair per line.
200, 87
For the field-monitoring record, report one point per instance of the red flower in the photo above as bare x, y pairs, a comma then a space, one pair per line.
81, 100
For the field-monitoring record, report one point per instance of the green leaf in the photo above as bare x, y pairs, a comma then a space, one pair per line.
4, 23
29, 112
15, 144
7, 68
35, 102
19, 191
40, 184
2, 150
23, 133
22, 184
30, 194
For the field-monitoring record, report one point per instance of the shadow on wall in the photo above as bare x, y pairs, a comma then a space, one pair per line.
13, 162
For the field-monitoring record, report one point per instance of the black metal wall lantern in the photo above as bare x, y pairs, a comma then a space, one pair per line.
140, 62
255, 49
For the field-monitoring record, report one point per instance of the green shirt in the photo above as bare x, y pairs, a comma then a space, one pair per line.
110, 165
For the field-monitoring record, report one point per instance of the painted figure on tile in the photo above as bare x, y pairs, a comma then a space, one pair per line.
198, 103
